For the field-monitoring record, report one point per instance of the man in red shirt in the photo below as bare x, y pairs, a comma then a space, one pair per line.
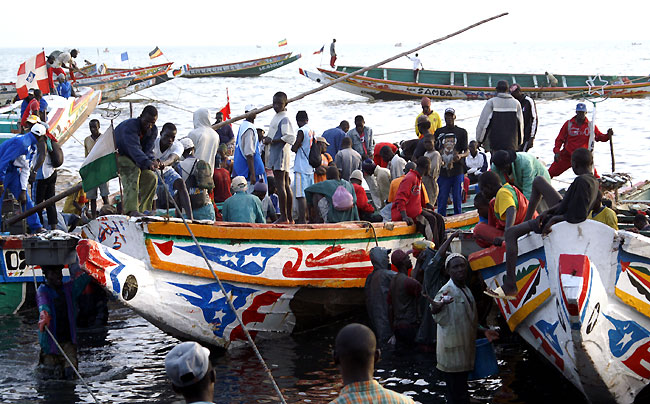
409, 202
33, 108
574, 135
376, 157
365, 209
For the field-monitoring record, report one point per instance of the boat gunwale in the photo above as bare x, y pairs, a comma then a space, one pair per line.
282, 55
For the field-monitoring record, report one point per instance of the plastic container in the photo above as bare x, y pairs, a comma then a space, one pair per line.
58, 251
485, 364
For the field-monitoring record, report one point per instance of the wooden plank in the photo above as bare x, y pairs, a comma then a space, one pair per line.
535, 81
385, 74
564, 81
489, 80
465, 79
451, 78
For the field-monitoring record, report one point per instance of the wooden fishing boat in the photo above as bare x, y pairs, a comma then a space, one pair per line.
281, 278
397, 84
114, 84
583, 303
247, 68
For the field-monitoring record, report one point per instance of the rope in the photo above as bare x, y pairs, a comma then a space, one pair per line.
63, 352
228, 298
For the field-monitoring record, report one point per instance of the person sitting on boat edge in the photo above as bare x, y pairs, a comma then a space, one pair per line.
507, 207
392, 192
355, 354
303, 172
196, 175
476, 162
15, 156
242, 207
602, 213
134, 141
409, 204
454, 311
189, 369
574, 207
529, 112
518, 169
574, 135
431, 115
365, 209
260, 190
501, 124
168, 151
333, 198
57, 305
64, 88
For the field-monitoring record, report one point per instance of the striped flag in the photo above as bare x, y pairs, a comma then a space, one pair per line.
318, 52
282, 42
32, 73
101, 163
155, 53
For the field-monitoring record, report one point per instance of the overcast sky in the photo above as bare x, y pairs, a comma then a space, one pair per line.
263, 22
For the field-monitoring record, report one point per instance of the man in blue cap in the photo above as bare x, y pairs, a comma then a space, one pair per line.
15, 156
574, 135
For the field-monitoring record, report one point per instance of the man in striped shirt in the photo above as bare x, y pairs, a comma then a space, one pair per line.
355, 354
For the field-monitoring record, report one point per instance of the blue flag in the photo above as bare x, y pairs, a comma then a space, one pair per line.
125, 56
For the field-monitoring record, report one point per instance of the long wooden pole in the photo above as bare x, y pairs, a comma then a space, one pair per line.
355, 73
611, 151
43, 204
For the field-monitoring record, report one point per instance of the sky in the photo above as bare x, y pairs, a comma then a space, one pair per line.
263, 22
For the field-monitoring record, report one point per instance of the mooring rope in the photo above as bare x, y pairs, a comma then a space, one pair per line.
226, 296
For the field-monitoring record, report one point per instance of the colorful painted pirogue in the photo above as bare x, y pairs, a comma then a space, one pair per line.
246, 68
397, 84
583, 303
114, 84
281, 278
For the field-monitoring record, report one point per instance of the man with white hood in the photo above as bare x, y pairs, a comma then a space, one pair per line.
205, 139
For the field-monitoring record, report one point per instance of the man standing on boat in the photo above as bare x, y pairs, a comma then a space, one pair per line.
248, 160
501, 125
361, 137
333, 53
432, 115
303, 172
574, 135
451, 143
282, 135
529, 110
335, 136
417, 64
134, 140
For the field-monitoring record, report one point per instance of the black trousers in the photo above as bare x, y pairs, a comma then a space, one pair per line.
45, 189
456, 387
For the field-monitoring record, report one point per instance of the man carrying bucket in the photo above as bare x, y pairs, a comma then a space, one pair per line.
454, 310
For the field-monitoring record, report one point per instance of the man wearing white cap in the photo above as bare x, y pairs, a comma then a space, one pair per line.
188, 367
242, 207
15, 155
248, 160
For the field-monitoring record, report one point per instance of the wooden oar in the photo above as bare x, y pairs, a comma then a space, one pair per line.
355, 73
43, 204
611, 151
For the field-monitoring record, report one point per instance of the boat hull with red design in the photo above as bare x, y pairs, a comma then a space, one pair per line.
583, 303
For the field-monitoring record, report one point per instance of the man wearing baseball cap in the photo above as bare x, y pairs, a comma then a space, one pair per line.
15, 157
574, 135
188, 367
242, 207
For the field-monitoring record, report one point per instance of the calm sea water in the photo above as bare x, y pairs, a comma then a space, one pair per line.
124, 363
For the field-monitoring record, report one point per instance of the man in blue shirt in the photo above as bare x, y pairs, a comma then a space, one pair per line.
15, 155
134, 140
335, 136
226, 135
64, 88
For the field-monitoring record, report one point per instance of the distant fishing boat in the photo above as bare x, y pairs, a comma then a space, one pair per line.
583, 304
397, 84
248, 68
114, 83
281, 278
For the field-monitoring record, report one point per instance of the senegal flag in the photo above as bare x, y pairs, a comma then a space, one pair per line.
155, 53
282, 42
101, 163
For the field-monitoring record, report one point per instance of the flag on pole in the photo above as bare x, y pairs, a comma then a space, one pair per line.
282, 42
226, 110
318, 52
32, 73
155, 53
125, 56
101, 163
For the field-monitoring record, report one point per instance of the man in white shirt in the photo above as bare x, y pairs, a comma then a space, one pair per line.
417, 64
395, 163
167, 151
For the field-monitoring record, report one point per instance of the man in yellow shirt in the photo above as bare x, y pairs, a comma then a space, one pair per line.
603, 214
433, 116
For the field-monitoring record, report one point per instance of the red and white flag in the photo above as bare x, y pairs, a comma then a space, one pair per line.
32, 73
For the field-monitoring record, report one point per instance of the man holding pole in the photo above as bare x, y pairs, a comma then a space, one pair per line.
575, 134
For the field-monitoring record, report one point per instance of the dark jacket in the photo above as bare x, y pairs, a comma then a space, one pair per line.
129, 142
376, 290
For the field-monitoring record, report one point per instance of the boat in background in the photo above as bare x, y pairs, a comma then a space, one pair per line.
397, 84
115, 83
583, 304
248, 68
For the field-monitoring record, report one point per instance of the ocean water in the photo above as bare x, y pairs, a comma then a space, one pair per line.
124, 362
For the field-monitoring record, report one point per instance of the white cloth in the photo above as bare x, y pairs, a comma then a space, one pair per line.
379, 186
281, 159
396, 166
23, 167
206, 139
175, 148
457, 325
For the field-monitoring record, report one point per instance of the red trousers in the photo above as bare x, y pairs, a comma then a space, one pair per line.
484, 234
560, 166
332, 61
